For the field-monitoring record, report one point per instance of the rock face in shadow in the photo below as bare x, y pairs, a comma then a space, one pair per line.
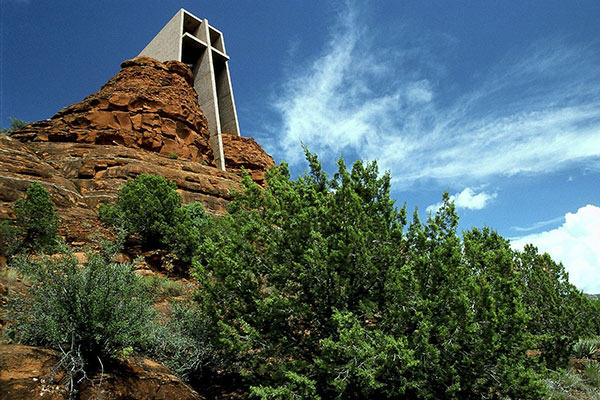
28, 372
145, 120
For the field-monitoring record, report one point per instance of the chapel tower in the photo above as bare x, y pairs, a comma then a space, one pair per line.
193, 41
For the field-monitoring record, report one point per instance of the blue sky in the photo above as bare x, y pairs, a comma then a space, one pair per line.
497, 102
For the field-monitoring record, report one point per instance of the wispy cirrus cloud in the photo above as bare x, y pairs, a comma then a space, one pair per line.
538, 225
575, 244
538, 110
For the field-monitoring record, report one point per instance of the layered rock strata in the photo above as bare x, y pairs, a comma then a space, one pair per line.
148, 105
80, 176
144, 120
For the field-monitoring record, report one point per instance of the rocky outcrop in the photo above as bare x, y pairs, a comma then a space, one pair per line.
144, 120
148, 105
30, 373
137, 378
245, 152
80, 176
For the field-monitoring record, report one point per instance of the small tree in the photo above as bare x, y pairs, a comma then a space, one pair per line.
9, 238
560, 313
36, 222
149, 206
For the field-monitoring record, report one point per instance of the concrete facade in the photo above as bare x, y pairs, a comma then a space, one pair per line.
193, 41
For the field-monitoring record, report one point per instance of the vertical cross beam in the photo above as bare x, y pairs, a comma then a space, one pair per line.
193, 41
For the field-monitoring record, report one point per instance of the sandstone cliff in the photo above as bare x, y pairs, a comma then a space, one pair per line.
145, 119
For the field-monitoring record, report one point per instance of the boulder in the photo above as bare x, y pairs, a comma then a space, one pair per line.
28, 373
137, 378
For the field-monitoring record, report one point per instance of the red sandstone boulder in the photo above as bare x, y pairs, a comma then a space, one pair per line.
137, 378
28, 373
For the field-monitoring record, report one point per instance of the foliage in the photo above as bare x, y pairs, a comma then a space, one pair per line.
188, 230
365, 361
150, 207
95, 308
569, 384
9, 238
592, 374
35, 225
320, 287
294, 387
166, 286
586, 347
559, 314
183, 342
322, 283
14, 125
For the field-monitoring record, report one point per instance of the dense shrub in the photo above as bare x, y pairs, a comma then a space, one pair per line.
90, 310
320, 287
188, 231
35, 225
559, 314
184, 342
9, 238
150, 207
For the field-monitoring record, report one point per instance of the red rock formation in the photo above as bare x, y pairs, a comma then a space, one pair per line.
137, 378
28, 373
22, 369
245, 152
147, 105
81, 176
144, 120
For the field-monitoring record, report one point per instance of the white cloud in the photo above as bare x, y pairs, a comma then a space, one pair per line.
537, 110
467, 199
576, 244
